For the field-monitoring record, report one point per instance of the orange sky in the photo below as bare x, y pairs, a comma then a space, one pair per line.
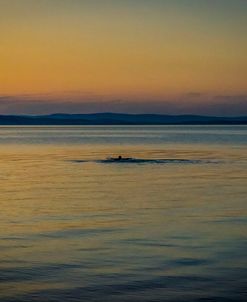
123, 49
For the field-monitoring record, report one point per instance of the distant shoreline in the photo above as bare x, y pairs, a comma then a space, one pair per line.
118, 119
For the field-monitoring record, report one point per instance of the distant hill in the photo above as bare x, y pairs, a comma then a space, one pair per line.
119, 119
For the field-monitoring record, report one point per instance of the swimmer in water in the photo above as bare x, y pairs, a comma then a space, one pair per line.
120, 158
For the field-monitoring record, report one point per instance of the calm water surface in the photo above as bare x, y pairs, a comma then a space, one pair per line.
74, 227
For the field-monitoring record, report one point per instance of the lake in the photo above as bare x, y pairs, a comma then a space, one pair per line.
170, 225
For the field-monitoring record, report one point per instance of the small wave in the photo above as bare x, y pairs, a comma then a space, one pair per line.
145, 161
80, 161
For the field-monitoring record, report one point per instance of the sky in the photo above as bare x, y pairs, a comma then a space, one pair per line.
136, 56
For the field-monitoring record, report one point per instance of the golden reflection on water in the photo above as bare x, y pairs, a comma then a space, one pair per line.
105, 219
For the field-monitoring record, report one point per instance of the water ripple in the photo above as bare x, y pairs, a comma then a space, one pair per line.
145, 161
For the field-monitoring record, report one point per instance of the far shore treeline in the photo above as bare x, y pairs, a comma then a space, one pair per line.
119, 119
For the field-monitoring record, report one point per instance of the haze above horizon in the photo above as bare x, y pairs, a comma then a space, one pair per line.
169, 57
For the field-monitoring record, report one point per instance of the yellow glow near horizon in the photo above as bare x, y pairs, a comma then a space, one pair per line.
121, 48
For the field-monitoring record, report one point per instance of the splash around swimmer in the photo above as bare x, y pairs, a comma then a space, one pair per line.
120, 158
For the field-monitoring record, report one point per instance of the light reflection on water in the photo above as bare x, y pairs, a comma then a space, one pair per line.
91, 231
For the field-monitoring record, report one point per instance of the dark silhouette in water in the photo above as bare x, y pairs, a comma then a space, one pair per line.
132, 160
120, 158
